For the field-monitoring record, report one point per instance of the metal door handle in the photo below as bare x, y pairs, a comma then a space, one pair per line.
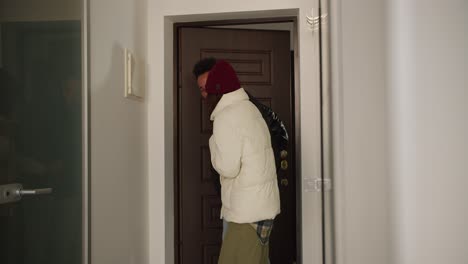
22, 192
10, 193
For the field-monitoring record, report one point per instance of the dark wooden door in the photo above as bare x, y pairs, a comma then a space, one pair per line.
263, 63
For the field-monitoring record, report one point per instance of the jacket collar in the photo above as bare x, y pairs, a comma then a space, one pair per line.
229, 99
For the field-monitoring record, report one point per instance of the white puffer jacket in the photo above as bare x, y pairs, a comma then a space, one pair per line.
241, 153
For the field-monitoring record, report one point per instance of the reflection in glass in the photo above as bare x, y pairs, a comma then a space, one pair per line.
41, 140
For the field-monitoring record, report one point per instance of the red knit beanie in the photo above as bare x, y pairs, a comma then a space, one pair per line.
222, 79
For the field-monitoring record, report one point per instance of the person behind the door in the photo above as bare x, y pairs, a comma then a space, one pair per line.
242, 154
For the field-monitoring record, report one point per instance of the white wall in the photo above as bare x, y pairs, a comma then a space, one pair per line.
161, 14
400, 131
429, 97
118, 135
359, 91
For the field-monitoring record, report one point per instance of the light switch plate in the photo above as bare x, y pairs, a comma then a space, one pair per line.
133, 83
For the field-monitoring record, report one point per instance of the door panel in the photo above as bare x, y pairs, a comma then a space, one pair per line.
41, 141
263, 63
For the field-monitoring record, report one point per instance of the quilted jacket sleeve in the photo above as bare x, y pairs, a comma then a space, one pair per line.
225, 148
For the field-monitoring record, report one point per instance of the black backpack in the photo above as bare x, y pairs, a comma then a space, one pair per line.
278, 132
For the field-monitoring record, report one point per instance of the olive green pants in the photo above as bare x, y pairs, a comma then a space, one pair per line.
241, 245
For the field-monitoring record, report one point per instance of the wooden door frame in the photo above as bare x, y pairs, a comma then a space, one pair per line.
176, 120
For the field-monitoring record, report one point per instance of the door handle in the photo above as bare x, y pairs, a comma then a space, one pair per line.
10, 193
34, 191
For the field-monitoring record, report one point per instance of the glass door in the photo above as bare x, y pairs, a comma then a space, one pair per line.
41, 132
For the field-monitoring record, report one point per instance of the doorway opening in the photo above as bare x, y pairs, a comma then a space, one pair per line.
262, 51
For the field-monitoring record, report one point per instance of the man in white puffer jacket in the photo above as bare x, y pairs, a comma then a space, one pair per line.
242, 154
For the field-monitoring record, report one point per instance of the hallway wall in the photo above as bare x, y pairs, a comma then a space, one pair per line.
428, 95
363, 233
118, 135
